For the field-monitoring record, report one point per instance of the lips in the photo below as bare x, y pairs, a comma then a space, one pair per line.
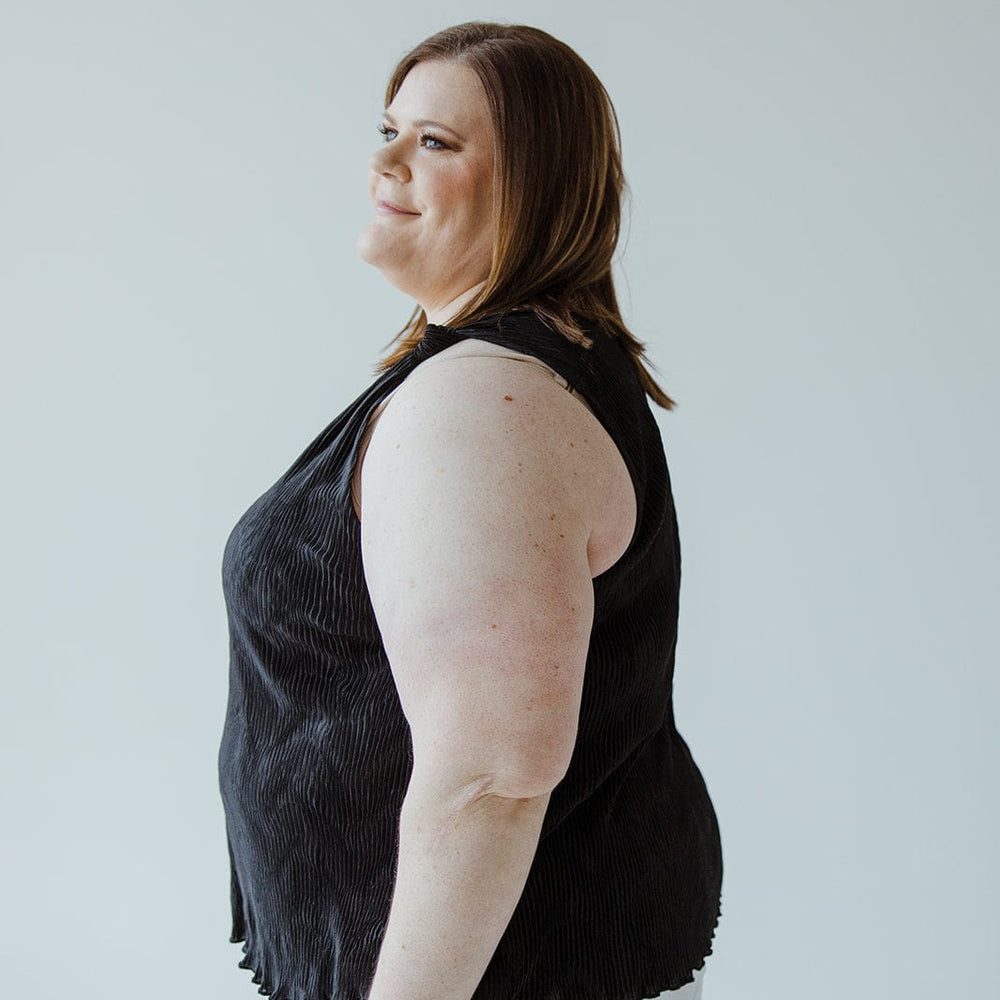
392, 209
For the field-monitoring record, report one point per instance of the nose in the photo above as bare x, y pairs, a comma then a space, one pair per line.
389, 161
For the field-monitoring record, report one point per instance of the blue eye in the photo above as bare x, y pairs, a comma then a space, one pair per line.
427, 140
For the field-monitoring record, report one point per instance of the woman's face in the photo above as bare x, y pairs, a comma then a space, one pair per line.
431, 183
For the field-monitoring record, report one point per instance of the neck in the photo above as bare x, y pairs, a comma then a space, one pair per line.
440, 314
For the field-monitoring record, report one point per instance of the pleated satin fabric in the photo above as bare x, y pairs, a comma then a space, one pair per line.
623, 897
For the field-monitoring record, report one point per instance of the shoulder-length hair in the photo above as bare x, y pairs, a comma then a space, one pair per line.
559, 184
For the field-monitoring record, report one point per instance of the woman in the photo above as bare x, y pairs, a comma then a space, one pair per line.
450, 767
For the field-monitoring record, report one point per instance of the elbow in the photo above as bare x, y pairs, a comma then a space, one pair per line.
529, 778
467, 760
504, 773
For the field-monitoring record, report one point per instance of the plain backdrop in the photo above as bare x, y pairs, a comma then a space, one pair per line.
812, 258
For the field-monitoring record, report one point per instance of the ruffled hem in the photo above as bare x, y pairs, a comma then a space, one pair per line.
652, 992
265, 986
649, 992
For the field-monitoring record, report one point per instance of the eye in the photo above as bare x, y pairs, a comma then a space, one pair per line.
433, 142
427, 140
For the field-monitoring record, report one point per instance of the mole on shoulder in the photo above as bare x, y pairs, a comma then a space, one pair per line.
509, 398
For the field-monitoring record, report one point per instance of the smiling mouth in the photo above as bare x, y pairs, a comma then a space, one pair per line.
387, 208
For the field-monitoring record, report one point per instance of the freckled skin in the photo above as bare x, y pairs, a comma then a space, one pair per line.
497, 520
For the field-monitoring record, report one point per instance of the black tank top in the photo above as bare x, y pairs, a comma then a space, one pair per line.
622, 899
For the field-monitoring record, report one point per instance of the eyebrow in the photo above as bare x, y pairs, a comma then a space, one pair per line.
426, 123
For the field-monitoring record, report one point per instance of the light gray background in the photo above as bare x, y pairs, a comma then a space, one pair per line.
813, 260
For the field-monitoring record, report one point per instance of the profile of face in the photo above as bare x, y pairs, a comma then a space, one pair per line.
431, 185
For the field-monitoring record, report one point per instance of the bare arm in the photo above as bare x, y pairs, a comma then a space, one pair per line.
484, 511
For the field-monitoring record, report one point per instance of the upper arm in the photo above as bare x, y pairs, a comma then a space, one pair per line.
478, 515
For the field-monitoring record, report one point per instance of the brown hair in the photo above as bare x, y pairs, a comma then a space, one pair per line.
557, 201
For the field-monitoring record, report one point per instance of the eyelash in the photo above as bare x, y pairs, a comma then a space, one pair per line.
384, 131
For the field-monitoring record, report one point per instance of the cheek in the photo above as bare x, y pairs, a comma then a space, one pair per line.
463, 197
480, 188
484, 213
478, 217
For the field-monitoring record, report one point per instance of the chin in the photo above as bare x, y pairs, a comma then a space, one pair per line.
374, 251
381, 249
367, 246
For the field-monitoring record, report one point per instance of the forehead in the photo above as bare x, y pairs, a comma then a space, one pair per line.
443, 91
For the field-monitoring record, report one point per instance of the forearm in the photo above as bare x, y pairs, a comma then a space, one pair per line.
463, 862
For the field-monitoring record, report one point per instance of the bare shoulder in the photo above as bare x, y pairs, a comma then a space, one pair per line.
476, 420
490, 499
